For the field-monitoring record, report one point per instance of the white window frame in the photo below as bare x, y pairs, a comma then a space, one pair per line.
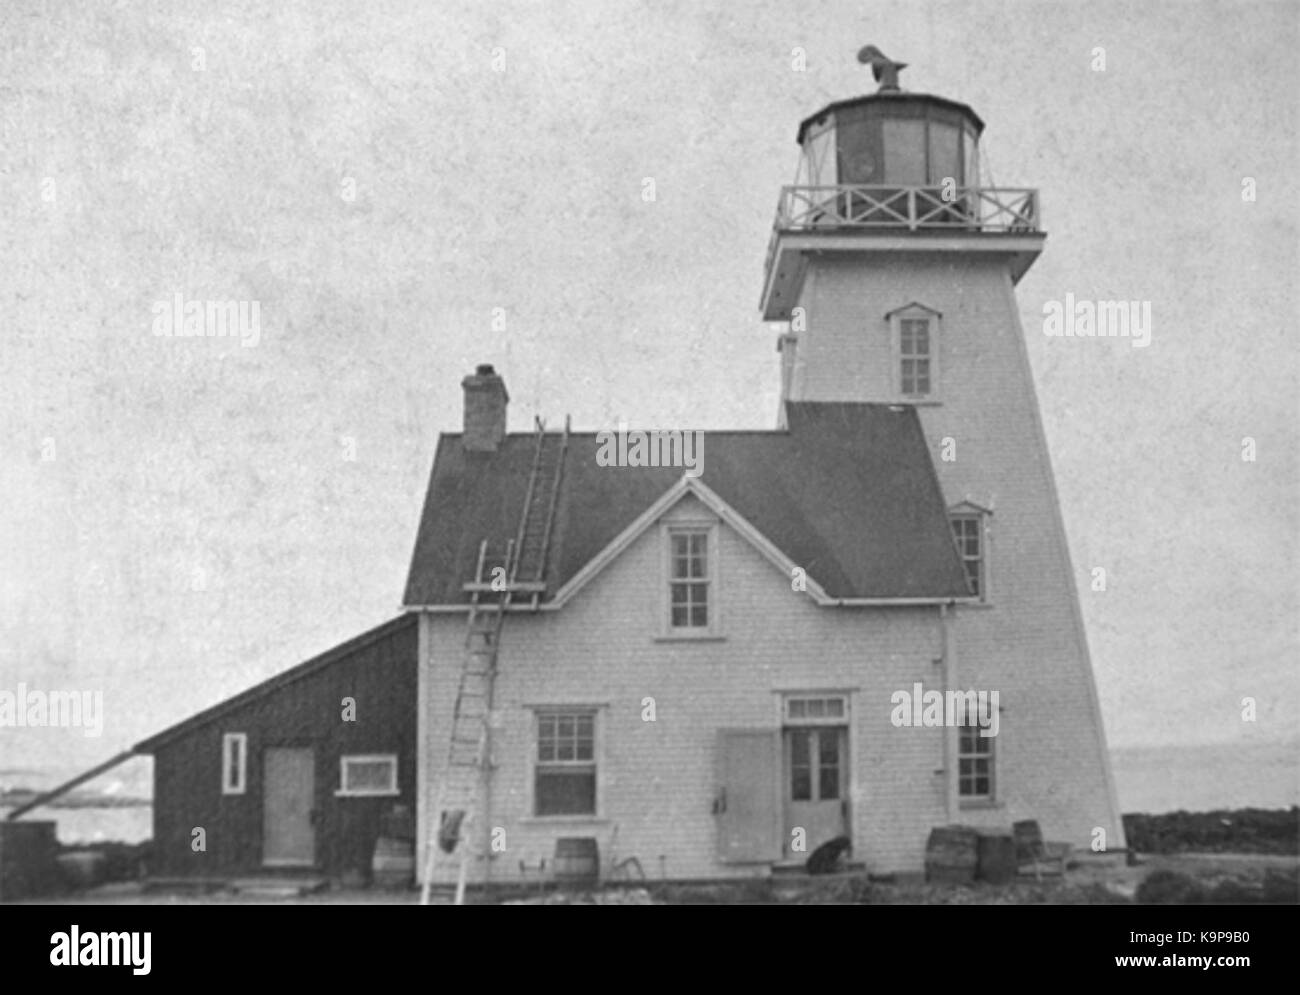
358, 758
708, 528
915, 311
238, 783
991, 754
969, 511
596, 763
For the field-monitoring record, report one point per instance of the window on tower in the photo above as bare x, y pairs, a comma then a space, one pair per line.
914, 348
970, 534
966, 530
915, 332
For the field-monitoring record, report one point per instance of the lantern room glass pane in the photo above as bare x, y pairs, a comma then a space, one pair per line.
858, 149
904, 143
818, 167
945, 153
970, 158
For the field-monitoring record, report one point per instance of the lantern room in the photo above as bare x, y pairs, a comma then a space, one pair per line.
888, 174
890, 139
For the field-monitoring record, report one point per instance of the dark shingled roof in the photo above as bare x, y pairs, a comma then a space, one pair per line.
848, 492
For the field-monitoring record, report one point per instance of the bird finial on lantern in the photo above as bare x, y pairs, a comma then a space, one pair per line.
883, 68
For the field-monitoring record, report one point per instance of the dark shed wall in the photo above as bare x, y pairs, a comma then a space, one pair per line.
307, 712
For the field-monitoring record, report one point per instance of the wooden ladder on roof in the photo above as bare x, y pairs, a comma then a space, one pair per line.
518, 568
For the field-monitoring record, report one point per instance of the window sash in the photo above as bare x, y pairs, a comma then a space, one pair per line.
564, 790
566, 737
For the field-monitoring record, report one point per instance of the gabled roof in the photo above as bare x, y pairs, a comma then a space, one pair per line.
969, 505
847, 491
913, 306
316, 663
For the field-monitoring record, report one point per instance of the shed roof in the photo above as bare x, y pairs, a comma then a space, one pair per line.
293, 674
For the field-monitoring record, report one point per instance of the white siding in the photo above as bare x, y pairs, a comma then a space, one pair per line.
657, 780
1030, 644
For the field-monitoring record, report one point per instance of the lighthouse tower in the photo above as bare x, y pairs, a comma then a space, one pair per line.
895, 269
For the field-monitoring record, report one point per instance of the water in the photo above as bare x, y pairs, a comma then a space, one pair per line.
1156, 779
96, 825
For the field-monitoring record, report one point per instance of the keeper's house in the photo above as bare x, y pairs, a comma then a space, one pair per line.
297, 774
707, 680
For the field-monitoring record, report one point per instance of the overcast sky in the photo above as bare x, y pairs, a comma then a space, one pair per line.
179, 518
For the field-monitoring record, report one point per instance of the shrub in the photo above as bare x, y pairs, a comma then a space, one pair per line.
1169, 888
1281, 887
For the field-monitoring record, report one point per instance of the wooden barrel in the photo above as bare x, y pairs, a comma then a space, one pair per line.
577, 860
997, 857
393, 865
952, 854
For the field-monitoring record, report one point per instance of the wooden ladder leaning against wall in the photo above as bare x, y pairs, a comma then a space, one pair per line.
501, 579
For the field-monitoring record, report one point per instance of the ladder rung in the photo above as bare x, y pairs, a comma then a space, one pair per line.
526, 586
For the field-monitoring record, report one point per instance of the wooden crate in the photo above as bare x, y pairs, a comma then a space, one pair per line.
952, 854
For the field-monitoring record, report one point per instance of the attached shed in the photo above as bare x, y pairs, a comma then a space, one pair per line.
302, 772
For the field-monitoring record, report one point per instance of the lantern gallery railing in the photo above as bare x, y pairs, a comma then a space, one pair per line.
985, 209
894, 208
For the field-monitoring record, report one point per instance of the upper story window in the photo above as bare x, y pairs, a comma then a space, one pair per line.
969, 532
914, 349
692, 573
914, 331
234, 763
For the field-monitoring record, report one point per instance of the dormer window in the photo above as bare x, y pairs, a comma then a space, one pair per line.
970, 532
914, 331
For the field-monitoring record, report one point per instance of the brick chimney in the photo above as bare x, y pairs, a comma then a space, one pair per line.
485, 410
